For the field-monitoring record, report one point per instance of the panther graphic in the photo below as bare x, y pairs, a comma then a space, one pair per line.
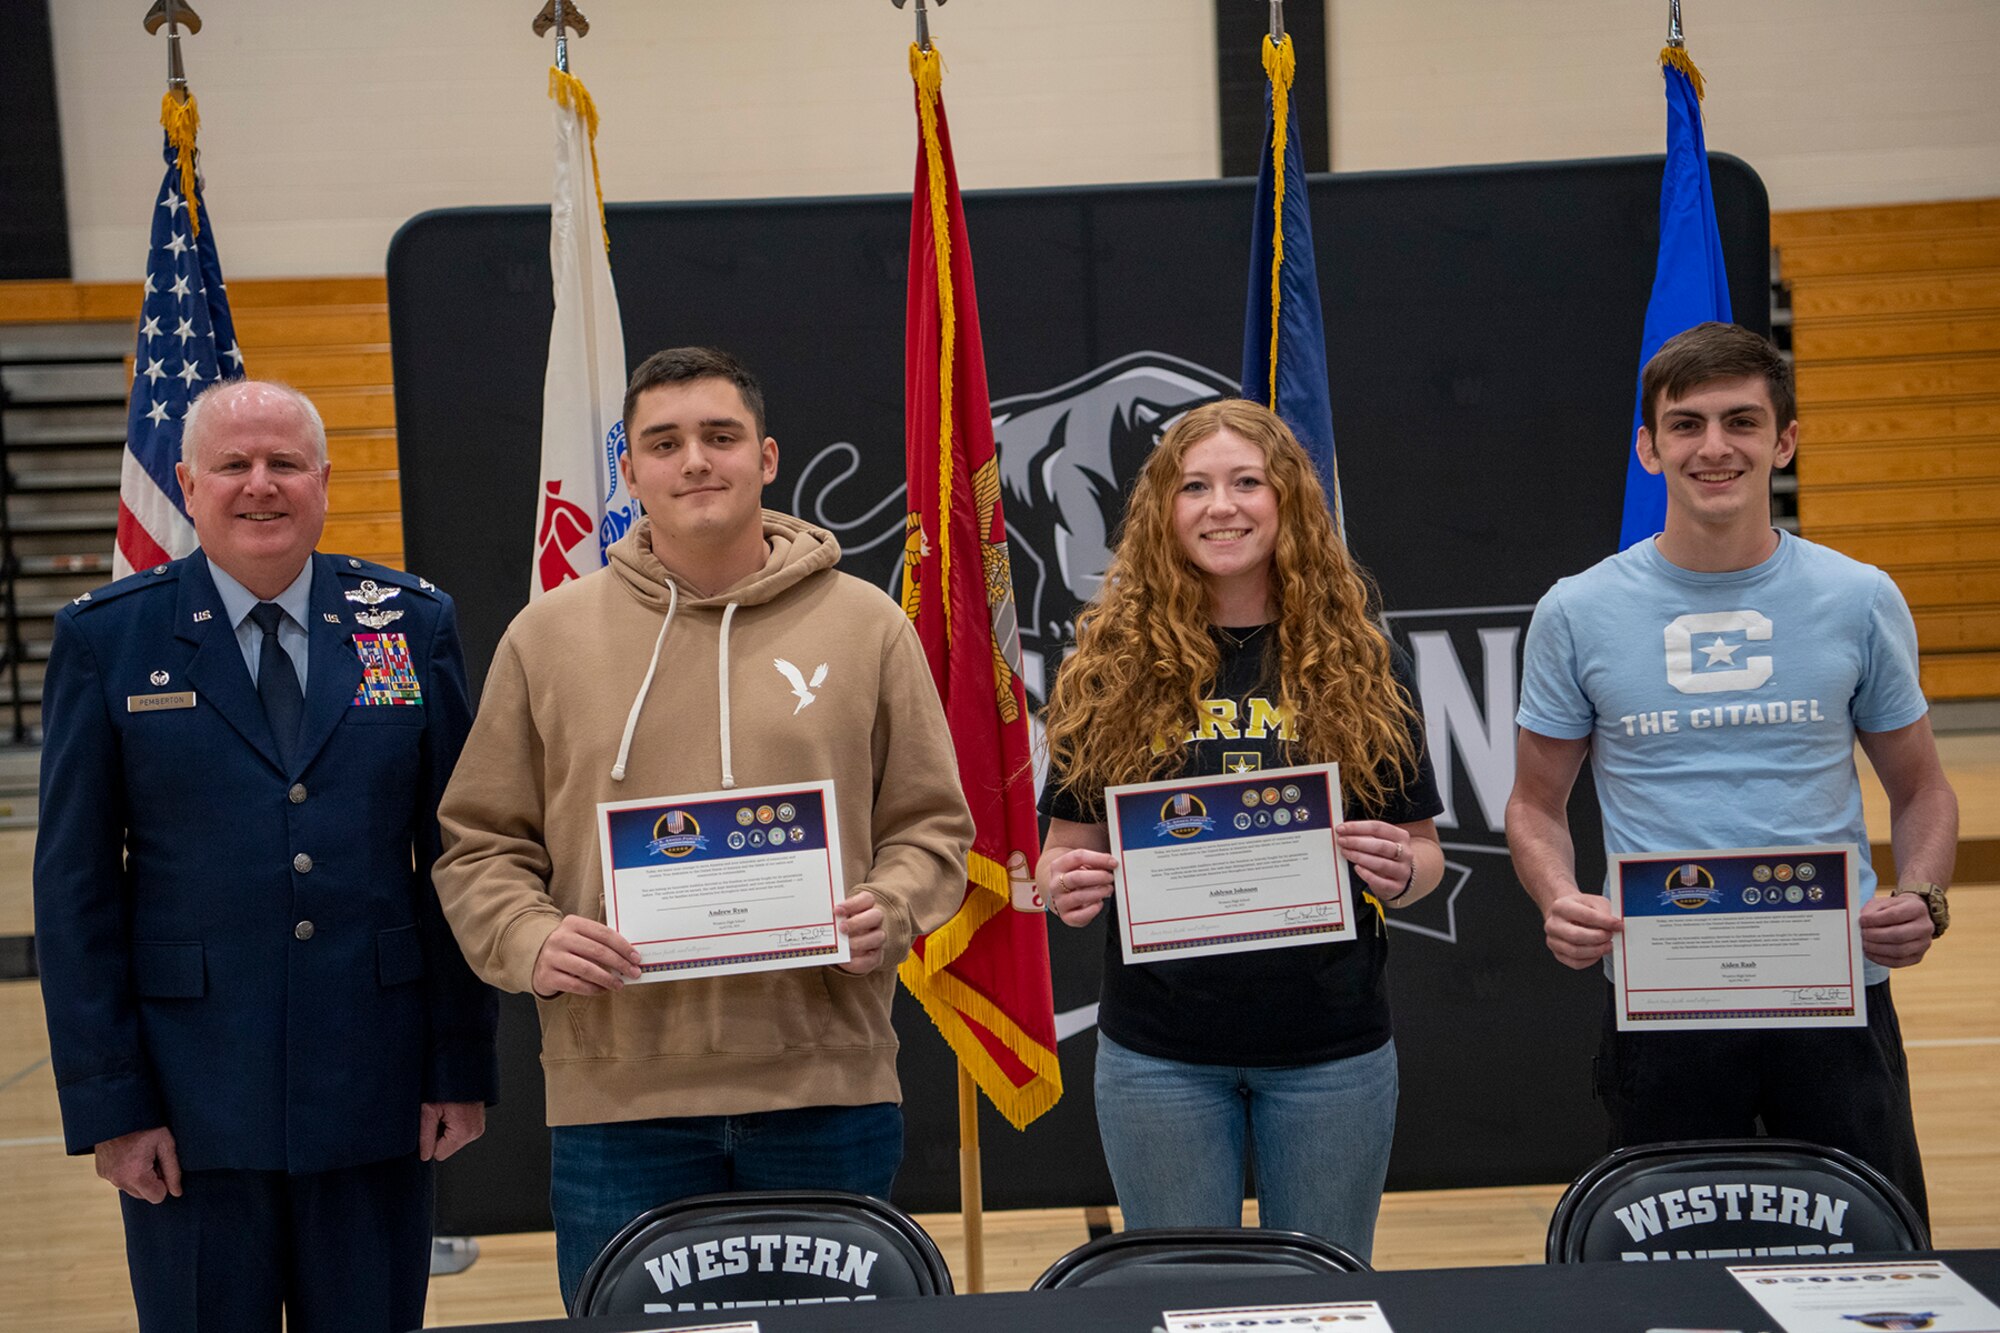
1067, 456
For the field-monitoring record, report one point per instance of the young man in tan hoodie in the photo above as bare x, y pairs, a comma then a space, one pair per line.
664, 674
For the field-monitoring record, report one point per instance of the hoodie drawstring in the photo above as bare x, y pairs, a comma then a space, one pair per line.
722, 684
721, 680
632, 718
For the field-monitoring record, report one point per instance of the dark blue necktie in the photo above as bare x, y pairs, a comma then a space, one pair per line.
278, 681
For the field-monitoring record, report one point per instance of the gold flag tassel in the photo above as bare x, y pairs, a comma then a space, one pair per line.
571, 95
927, 69
1678, 57
1280, 63
181, 118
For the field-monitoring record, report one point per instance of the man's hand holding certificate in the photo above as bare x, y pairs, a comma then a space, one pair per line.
1750, 938
724, 882
1229, 864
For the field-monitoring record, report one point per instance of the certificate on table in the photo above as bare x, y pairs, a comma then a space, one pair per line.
725, 881
1845, 1298
1346, 1316
1229, 864
1757, 937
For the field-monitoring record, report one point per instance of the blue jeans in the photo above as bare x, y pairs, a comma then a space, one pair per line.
603, 1176
1174, 1138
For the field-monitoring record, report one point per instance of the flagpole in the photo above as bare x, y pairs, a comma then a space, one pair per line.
171, 15
563, 16
971, 1199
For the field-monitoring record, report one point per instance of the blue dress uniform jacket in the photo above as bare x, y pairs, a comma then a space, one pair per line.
247, 952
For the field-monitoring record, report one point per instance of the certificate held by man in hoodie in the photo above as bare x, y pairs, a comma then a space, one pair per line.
719, 882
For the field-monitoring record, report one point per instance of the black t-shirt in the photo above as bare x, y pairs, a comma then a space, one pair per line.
1274, 1007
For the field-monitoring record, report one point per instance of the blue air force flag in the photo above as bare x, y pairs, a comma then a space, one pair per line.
1690, 286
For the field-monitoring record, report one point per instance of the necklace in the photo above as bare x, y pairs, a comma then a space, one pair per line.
1241, 638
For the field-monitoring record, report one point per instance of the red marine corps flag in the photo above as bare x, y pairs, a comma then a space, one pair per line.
984, 975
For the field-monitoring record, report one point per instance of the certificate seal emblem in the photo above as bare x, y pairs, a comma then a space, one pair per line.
1762, 874
1251, 798
798, 834
756, 837
1795, 894
1281, 816
1183, 816
676, 834
746, 816
1690, 887
737, 840
1263, 818
787, 812
765, 814
1270, 796
1782, 872
1751, 897
1242, 820
1291, 793
1807, 870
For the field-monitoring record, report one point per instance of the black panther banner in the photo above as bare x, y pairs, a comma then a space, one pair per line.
1482, 331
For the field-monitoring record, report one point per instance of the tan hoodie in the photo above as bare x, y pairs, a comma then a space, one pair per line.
630, 667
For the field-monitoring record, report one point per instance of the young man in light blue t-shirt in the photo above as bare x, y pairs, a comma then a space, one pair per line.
1718, 676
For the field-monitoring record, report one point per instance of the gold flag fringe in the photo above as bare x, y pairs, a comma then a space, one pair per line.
948, 1001
1678, 57
927, 69
571, 95
1280, 63
181, 119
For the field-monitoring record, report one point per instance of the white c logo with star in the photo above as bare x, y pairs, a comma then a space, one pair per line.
1680, 636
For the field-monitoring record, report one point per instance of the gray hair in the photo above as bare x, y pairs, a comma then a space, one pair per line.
197, 412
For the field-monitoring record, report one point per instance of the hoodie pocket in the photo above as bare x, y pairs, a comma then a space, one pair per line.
760, 1013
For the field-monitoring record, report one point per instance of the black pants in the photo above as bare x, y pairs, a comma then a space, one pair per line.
339, 1251
1846, 1088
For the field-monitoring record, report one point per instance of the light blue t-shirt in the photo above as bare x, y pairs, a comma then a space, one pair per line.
1721, 708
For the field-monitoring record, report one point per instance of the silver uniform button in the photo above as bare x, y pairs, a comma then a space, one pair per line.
303, 931
297, 795
302, 863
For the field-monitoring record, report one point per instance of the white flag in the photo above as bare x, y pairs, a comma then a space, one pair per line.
583, 504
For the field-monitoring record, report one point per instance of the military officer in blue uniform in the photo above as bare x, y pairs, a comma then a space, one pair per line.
259, 1021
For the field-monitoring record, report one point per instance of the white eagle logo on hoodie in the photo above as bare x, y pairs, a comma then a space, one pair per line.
800, 686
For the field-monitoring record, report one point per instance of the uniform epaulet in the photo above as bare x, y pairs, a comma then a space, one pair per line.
159, 576
353, 567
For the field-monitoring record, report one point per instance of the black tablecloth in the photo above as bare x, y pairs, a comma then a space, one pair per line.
1575, 1298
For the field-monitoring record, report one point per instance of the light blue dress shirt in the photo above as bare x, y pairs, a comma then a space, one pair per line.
296, 602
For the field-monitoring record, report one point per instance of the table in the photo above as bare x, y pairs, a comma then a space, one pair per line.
1576, 1298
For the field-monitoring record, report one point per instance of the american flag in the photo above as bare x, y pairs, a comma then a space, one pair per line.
186, 343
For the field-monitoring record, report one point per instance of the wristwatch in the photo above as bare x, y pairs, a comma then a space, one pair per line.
1933, 896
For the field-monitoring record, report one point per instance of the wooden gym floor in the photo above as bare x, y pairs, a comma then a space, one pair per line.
62, 1252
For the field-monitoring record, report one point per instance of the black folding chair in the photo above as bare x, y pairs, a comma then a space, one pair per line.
1731, 1198
1196, 1254
720, 1249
